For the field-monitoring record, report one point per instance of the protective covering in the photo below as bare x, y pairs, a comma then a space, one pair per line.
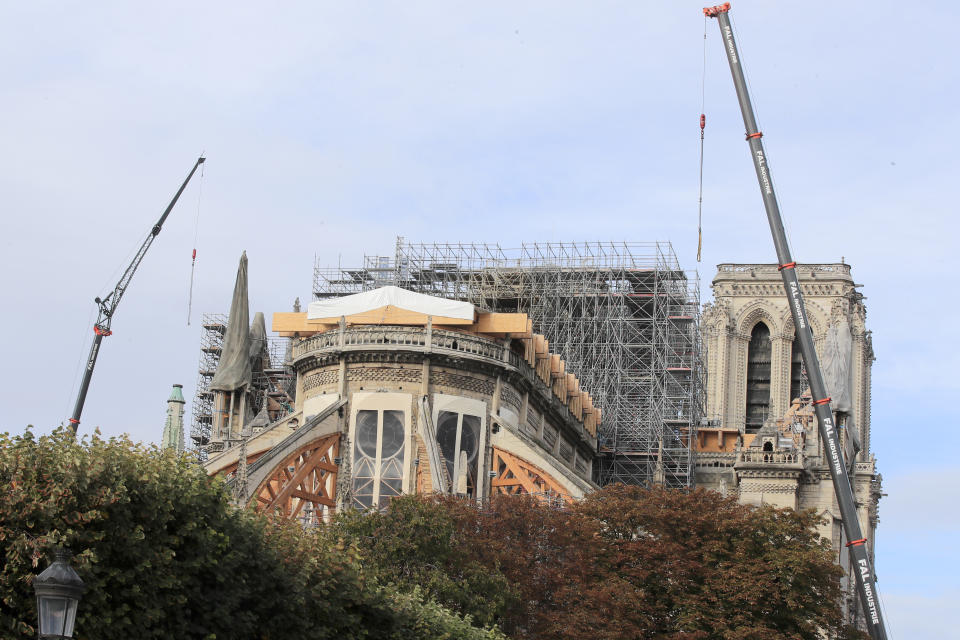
851, 442
836, 359
259, 352
233, 372
389, 296
838, 378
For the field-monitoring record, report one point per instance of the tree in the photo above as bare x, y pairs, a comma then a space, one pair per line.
165, 555
703, 566
625, 562
425, 544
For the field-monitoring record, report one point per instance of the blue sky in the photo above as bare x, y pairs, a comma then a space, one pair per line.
331, 128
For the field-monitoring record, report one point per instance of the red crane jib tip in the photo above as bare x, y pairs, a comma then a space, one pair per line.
713, 12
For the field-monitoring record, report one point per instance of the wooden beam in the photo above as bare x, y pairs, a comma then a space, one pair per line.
312, 497
540, 346
514, 323
288, 323
528, 477
557, 365
294, 481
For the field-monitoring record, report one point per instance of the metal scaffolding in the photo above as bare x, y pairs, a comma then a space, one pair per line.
211, 342
624, 316
273, 382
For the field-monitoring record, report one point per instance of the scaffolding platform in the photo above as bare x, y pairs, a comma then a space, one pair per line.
624, 316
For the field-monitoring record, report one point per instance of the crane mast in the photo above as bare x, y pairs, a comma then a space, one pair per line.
863, 569
108, 304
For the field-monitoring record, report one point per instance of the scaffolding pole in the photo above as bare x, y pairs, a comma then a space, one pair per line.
624, 316
273, 384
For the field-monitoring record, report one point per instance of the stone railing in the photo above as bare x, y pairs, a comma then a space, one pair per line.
439, 341
704, 459
466, 344
771, 269
752, 456
864, 467
420, 339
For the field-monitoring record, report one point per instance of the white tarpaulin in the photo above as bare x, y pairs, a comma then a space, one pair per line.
836, 360
389, 296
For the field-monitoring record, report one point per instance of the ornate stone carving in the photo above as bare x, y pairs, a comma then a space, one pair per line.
745, 294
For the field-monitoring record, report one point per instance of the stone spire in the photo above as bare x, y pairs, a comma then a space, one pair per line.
173, 428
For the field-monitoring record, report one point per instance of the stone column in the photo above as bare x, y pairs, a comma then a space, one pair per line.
780, 374
736, 409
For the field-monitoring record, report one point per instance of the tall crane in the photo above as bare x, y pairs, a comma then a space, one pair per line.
863, 569
108, 304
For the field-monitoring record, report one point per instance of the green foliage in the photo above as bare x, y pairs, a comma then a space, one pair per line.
165, 555
416, 618
417, 545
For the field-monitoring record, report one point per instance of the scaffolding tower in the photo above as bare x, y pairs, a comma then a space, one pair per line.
214, 326
272, 382
624, 316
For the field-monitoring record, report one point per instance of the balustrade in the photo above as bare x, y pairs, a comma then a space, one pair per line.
772, 269
770, 457
399, 336
415, 338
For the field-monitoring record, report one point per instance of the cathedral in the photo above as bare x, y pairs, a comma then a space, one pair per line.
759, 440
389, 391
394, 392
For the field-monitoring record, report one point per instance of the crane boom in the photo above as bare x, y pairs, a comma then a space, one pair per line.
108, 304
863, 569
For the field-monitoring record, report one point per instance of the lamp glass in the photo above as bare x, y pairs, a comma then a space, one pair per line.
57, 616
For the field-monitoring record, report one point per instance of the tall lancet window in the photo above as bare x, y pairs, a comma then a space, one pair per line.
797, 380
378, 458
758, 377
458, 435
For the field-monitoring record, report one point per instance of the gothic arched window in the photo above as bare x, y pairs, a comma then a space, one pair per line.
458, 435
758, 377
378, 457
797, 379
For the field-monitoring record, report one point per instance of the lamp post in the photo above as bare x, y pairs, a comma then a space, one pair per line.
58, 590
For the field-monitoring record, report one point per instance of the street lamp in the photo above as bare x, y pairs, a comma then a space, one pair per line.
58, 590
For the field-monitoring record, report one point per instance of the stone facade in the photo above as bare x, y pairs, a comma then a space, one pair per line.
368, 400
782, 462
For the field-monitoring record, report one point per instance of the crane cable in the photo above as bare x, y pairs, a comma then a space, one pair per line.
703, 124
196, 235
